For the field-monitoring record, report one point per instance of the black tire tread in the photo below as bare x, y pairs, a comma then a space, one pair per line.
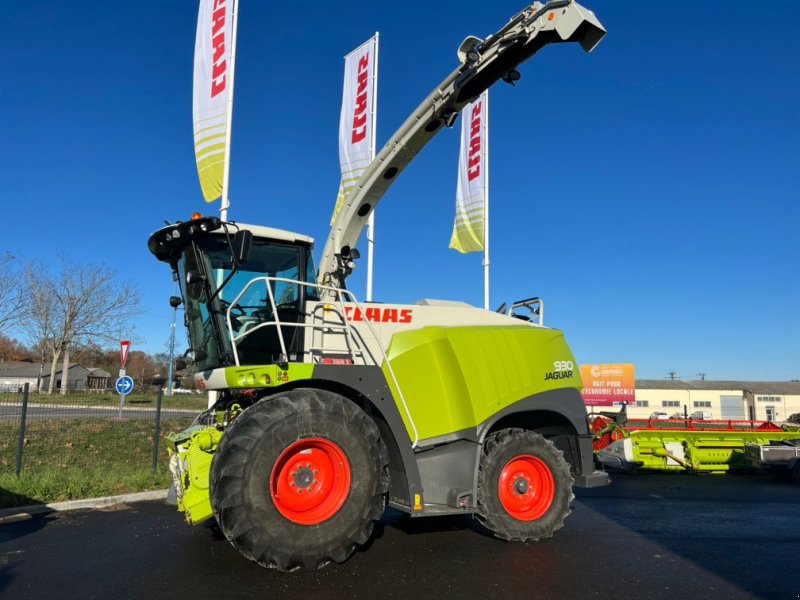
229, 473
490, 513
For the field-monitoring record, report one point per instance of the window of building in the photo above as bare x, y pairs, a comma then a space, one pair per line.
642, 403
670, 403
702, 403
772, 399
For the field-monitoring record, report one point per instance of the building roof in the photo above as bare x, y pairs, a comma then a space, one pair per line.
754, 387
16, 368
26, 369
70, 368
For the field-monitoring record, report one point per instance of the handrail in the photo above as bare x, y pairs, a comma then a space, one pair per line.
535, 305
346, 327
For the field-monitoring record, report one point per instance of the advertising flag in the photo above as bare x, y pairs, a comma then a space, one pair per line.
212, 86
357, 119
470, 221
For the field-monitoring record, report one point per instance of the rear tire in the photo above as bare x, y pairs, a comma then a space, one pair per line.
299, 479
524, 486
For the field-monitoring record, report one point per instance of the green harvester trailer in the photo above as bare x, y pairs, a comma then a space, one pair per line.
686, 445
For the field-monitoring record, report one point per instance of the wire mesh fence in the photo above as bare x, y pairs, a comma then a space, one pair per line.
78, 445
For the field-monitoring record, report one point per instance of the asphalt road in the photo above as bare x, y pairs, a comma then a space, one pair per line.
646, 536
43, 411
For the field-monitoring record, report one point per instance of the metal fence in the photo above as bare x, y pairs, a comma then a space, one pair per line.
79, 436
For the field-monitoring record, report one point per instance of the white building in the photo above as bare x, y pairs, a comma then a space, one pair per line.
760, 400
15, 374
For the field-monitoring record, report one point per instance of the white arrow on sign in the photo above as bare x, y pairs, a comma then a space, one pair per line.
124, 385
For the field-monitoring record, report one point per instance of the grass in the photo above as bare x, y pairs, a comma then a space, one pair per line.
73, 459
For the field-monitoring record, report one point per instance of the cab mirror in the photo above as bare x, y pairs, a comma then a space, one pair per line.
242, 240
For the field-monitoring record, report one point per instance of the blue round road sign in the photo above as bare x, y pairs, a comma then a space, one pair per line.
124, 385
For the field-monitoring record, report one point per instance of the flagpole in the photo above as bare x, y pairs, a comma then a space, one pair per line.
373, 136
486, 210
226, 202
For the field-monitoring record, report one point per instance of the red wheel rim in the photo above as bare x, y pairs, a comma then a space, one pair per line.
526, 487
310, 481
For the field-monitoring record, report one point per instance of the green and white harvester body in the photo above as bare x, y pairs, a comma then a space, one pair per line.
328, 409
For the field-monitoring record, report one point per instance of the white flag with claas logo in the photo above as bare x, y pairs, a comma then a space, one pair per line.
212, 86
470, 221
356, 121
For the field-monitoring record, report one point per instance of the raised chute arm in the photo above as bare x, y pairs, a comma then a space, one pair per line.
483, 62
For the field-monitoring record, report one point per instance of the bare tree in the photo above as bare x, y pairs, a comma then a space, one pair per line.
141, 367
81, 304
12, 296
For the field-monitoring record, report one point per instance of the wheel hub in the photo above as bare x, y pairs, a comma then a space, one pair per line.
526, 487
303, 477
310, 481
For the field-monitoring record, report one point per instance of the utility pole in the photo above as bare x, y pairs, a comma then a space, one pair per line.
174, 302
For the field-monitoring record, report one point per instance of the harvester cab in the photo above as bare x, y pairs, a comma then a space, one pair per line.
234, 279
329, 409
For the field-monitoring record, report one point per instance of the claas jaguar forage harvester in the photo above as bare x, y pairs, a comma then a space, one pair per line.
328, 409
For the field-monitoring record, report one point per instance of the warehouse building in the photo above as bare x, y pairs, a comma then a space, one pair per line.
760, 400
14, 375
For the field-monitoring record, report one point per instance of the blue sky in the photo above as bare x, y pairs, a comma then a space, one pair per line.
648, 191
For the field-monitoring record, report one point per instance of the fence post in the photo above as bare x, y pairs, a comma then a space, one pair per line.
22, 418
158, 429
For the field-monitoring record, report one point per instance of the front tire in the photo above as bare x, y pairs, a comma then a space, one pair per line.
299, 479
524, 486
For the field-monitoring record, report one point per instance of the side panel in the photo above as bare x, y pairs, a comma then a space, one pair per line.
454, 378
449, 475
370, 383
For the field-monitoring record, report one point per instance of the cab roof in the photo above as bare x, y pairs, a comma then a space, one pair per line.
167, 242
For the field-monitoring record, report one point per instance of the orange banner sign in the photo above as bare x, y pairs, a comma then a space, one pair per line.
608, 385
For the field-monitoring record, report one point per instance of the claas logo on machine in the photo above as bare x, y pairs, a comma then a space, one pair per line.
379, 315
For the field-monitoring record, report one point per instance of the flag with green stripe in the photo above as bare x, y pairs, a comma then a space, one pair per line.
212, 87
469, 228
356, 121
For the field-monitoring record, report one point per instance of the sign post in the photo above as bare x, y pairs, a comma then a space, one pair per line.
124, 383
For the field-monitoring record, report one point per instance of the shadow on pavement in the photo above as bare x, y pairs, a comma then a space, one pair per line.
17, 529
738, 526
10, 557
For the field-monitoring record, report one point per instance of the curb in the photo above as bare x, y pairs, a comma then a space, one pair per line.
37, 509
